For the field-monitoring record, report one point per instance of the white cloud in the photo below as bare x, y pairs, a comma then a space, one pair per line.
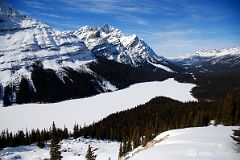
107, 6
36, 4
133, 19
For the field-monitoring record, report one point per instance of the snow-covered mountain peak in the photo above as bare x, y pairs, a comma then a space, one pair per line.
11, 19
96, 32
107, 28
8, 11
111, 43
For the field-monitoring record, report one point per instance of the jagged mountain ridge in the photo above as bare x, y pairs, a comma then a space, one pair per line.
29, 46
211, 60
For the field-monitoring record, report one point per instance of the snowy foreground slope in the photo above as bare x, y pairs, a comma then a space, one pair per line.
70, 150
203, 143
92, 109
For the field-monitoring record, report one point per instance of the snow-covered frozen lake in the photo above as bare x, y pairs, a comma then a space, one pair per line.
85, 111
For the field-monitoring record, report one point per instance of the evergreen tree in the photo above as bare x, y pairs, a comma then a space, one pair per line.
55, 154
75, 131
124, 147
136, 143
65, 133
40, 141
90, 154
129, 146
236, 136
120, 154
40, 144
8, 95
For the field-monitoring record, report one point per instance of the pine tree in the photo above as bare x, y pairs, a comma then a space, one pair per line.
55, 154
65, 133
129, 146
40, 141
75, 131
90, 154
120, 154
236, 136
124, 147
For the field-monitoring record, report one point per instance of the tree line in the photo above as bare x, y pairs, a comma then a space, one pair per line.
9, 139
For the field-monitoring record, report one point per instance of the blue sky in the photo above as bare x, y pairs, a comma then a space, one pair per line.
170, 27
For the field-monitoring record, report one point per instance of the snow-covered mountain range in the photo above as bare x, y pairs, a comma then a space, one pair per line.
26, 42
227, 58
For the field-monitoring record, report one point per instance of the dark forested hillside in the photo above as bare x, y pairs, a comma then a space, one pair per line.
161, 114
123, 75
49, 88
216, 85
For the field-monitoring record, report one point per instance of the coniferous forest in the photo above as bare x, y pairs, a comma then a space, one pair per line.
139, 125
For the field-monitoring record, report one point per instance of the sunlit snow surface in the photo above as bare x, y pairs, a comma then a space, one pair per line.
92, 109
200, 143
70, 150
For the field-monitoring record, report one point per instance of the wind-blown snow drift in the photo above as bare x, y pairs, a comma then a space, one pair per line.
92, 109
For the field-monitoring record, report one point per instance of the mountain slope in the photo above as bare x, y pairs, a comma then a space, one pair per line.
30, 48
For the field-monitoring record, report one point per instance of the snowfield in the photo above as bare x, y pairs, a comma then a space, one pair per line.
199, 143
70, 150
92, 109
